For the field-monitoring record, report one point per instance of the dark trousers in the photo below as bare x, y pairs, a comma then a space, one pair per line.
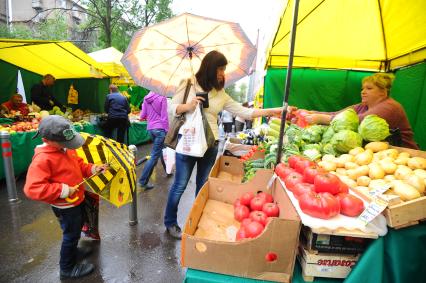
119, 124
71, 221
157, 136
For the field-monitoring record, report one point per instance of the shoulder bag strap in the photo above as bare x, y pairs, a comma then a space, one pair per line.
188, 87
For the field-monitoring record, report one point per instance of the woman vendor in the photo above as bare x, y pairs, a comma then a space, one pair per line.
375, 100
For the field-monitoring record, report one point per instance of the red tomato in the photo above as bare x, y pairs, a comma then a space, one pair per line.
283, 170
350, 205
237, 202
324, 205
246, 198
257, 203
258, 216
292, 179
301, 165
241, 234
271, 210
254, 229
344, 188
310, 172
267, 197
327, 183
292, 160
301, 188
241, 212
245, 222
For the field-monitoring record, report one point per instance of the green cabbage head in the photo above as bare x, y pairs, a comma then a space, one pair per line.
346, 140
373, 128
345, 120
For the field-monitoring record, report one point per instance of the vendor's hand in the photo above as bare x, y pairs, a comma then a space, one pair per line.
51, 102
314, 119
275, 112
291, 109
194, 102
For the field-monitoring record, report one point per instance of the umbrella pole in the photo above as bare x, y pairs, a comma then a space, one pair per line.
288, 80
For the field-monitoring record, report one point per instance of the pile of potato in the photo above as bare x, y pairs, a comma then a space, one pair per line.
375, 166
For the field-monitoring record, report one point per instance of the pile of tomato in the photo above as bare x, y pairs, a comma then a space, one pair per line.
320, 194
251, 152
254, 213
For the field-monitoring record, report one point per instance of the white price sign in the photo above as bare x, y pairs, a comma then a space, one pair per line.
372, 210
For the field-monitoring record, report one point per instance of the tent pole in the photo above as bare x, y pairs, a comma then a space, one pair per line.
288, 80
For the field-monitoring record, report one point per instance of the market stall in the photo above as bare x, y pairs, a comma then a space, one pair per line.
73, 69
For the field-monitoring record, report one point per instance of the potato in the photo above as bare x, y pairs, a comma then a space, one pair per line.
376, 171
421, 173
327, 165
417, 182
389, 178
341, 171
404, 154
401, 160
348, 181
352, 173
388, 166
363, 190
351, 165
328, 157
343, 159
377, 146
417, 163
377, 184
402, 173
363, 170
363, 158
356, 150
363, 181
405, 191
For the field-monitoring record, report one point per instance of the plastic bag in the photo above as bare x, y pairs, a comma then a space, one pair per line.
193, 139
169, 157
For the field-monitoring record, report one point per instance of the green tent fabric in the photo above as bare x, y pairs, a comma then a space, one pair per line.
332, 90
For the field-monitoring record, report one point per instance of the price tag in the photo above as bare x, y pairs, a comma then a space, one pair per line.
372, 210
379, 190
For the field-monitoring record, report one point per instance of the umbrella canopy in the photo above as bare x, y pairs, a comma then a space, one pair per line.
119, 180
353, 34
161, 56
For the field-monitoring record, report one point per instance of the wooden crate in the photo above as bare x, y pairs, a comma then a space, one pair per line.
400, 214
324, 264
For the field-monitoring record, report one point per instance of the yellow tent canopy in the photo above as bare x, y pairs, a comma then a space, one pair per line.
353, 34
109, 59
62, 59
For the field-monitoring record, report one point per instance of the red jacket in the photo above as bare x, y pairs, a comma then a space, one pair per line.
23, 108
51, 173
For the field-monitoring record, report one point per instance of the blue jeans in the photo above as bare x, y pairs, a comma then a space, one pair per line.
71, 221
184, 166
157, 136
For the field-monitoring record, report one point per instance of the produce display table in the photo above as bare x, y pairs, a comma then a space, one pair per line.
397, 257
23, 145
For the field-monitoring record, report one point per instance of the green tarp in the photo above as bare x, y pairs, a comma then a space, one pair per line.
136, 93
332, 90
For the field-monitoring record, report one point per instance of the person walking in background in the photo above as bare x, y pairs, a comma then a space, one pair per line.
55, 176
41, 94
227, 121
154, 110
210, 78
118, 109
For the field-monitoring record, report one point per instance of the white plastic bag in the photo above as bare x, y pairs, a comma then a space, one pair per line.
169, 156
193, 140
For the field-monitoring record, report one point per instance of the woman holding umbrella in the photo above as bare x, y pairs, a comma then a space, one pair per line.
210, 78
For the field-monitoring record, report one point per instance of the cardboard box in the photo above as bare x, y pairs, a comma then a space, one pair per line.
325, 265
332, 243
232, 169
245, 258
401, 214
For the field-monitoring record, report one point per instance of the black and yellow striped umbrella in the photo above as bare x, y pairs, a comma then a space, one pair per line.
119, 180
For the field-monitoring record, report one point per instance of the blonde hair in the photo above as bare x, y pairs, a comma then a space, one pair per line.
382, 80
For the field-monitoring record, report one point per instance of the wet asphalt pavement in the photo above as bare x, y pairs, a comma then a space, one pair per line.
30, 238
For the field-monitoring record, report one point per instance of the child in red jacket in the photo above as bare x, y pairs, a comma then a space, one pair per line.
55, 176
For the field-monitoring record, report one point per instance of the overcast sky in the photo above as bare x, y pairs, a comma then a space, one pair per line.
250, 14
